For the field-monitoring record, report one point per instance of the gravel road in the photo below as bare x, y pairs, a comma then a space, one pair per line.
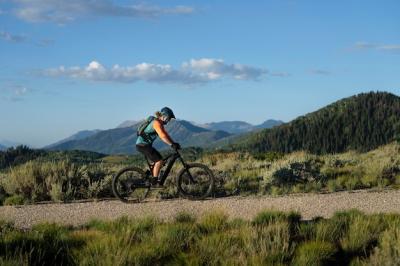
309, 205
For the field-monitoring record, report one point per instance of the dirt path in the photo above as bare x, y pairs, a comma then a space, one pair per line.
309, 205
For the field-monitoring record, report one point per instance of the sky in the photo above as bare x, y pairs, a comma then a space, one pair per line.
71, 65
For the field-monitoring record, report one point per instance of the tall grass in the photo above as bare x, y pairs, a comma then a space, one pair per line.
236, 173
271, 238
61, 180
303, 172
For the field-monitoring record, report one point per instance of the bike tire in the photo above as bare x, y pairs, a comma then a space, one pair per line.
183, 182
125, 192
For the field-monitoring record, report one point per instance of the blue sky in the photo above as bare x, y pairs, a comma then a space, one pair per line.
71, 65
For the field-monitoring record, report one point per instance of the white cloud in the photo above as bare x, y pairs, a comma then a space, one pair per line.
392, 47
14, 93
192, 72
64, 11
384, 47
12, 37
217, 67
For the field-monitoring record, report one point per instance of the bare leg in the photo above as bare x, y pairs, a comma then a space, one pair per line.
157, 167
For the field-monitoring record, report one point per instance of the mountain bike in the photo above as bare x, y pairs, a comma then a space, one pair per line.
194, 181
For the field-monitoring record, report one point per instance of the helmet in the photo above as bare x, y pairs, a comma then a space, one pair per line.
168, 112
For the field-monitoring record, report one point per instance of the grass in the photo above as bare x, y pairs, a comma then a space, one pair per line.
271, 238
236, 173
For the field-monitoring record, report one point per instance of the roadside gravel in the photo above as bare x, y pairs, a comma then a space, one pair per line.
309, 205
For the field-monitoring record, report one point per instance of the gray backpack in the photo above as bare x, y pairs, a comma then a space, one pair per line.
143, 125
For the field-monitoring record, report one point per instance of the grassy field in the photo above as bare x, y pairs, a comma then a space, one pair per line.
61, 178
271, 238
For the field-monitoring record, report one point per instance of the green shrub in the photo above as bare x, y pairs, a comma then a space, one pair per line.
213, 222
5, 227
330, 230
185, 217
271, 244
332, 186
362, 234
315, 253
269, 217
44, 244
388, 251
221, 249
14, 200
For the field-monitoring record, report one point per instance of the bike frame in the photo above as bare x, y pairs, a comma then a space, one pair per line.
170, 160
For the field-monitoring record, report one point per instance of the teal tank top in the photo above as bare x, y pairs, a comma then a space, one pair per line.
150, 135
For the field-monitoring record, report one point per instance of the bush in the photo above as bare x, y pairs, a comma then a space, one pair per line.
221, 249
330, 230
315, 253
185, 217
14, 200
271, 244
213, 222
44, 244
362, 234
57, 181
388, 251
269, 217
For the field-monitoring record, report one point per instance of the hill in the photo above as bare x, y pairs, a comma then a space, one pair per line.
77, 136
362, 122
239, 127
122, 140
270, 123
128, 123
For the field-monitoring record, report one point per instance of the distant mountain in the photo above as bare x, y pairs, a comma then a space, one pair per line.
270, 123
77, 136
362, 122
239, 127
233, 127
122, 140
127, 123
2, 148
8, 143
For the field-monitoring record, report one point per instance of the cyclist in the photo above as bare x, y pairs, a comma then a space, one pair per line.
154, 129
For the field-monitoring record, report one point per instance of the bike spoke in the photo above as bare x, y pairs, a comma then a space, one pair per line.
129, 185
196, 182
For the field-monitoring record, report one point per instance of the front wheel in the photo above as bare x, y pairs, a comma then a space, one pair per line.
196, 181
129, 185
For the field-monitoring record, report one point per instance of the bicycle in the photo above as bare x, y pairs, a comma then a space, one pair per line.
194, 181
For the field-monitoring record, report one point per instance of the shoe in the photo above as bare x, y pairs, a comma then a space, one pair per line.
154, 180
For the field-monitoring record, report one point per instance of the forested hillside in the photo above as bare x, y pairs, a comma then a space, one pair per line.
362, 122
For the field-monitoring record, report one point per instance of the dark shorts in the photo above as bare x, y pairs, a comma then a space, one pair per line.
148, 151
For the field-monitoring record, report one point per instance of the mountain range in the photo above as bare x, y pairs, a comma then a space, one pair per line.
2, 147
122, 139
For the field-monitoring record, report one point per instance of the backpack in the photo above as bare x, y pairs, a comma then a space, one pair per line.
143, 125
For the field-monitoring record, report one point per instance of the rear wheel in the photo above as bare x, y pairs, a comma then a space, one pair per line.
196, 181
130, 185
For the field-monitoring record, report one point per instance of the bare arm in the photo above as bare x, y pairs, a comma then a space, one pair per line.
159, 128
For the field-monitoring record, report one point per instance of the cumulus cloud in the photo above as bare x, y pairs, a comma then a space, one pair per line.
384, 47
64, 11
12, 37
192, 72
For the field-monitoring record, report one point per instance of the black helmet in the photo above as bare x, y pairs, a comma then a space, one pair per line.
168, 112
